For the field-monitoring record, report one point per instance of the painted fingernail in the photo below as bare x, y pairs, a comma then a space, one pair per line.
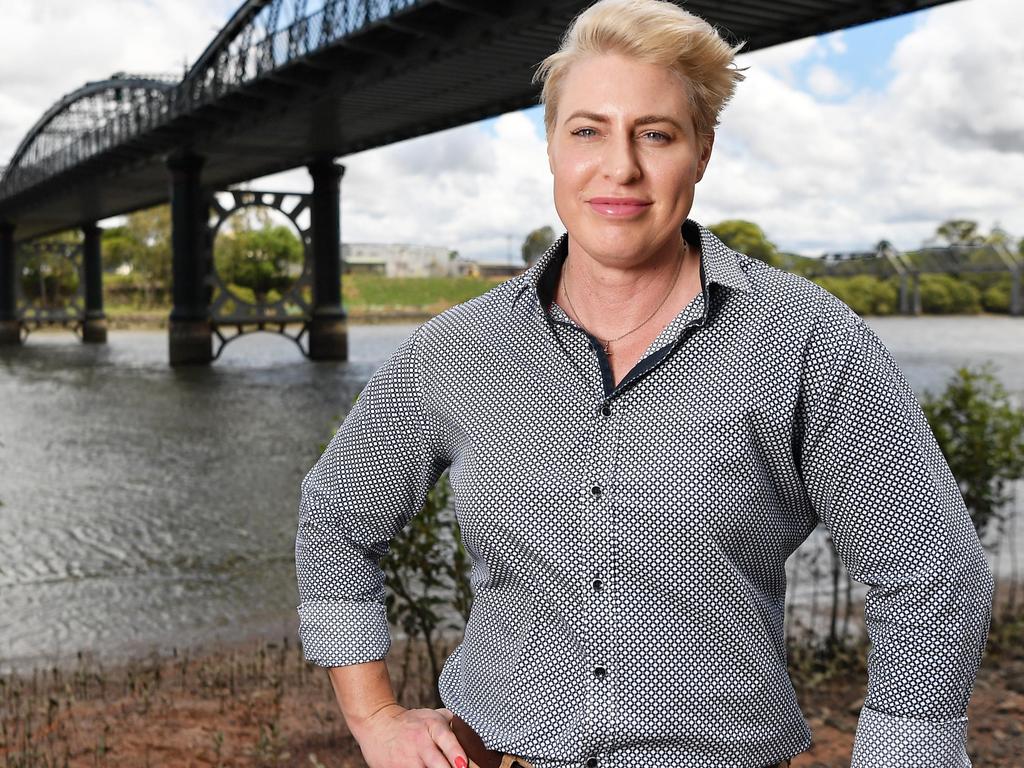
460, 762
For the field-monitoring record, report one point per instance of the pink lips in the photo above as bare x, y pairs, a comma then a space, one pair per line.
618, 206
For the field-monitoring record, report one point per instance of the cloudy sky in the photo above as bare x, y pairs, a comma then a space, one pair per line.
832, 143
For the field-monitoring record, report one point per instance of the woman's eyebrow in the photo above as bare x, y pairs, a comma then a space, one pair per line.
645, 120
597, 118
648, 119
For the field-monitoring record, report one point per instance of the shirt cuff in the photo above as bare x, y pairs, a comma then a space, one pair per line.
890, 741
341, 632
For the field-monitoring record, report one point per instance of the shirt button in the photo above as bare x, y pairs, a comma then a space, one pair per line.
596, 490
598, 585
592, 762
599, 672
606, 409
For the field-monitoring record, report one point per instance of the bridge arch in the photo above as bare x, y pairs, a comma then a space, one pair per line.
122, 103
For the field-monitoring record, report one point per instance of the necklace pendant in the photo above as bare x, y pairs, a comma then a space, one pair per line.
607, 348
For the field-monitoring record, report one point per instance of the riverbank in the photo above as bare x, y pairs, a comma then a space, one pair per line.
263, 705
156, 319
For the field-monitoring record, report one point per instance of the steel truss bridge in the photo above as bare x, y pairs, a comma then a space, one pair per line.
908, 266
292, 83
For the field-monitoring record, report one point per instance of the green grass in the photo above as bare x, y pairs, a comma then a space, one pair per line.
360, 292
433, 293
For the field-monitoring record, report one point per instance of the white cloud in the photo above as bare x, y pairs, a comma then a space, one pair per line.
835, 42
52, 47
825, 82
781, 60
474, 190
945, 140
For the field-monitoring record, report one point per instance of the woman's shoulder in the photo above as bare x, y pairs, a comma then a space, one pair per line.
469, 321
778, 301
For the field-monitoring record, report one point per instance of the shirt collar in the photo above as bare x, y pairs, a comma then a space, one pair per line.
719, 264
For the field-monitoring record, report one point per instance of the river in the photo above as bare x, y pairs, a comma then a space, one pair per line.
146, 507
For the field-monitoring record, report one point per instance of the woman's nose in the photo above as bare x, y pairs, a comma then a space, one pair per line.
621, 163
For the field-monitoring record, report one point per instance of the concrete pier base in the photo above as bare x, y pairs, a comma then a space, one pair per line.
190, 342
328, 337
94, 329
10, 333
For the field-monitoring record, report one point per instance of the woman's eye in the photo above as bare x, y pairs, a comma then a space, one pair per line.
656, 136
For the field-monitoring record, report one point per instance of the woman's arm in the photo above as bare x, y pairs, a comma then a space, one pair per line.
878, 480
387, 733
369, 482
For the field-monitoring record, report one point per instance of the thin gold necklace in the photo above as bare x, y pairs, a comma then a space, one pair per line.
607, 343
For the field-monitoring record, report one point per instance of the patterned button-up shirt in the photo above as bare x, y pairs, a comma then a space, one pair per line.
629, 540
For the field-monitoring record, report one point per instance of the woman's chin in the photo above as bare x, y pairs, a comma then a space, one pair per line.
621, 247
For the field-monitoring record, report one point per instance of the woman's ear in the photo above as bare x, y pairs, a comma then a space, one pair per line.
707, 143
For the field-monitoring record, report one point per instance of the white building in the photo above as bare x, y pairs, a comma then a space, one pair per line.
401, 260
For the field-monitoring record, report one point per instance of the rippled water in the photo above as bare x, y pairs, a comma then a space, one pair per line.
145, 506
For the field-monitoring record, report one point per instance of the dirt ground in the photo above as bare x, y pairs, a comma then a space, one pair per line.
262, 705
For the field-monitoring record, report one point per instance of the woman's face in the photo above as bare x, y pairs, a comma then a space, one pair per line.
625, 158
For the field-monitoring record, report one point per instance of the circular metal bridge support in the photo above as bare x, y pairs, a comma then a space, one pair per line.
290, 308
194, 322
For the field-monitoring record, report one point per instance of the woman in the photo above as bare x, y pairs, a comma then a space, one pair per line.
640, 429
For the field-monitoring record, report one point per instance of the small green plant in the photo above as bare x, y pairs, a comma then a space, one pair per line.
981, 433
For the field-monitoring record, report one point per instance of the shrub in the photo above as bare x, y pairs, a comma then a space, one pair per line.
981, 433
944, 294
864, 294
996, 298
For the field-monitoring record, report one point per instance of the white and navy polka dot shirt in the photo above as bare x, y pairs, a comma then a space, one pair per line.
629, 541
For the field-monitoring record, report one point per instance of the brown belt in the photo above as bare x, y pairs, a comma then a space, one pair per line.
478, 753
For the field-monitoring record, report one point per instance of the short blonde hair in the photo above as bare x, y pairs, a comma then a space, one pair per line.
656, 32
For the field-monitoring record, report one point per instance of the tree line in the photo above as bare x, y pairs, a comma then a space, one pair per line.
872, 294
259, 260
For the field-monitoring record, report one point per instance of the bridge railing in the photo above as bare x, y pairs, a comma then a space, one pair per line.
246, 60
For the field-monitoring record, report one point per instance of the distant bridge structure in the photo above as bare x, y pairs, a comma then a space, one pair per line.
293, 83
887, 261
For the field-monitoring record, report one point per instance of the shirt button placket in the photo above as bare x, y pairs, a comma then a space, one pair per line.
602, 688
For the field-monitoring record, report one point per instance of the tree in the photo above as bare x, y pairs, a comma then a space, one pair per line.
144, 244
121, 248
959, 232
981, 434
746, 237
262, 260
48, 279
536, 243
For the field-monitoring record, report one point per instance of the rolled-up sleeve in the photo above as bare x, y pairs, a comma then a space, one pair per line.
372, 478
877, 479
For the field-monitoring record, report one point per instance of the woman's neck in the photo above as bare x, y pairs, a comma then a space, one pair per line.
609, 300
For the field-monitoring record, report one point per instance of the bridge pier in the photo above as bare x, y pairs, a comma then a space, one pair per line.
94, 329
10, 326
190, 334
328, 330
